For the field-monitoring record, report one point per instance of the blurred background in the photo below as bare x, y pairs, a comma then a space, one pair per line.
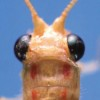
83, 20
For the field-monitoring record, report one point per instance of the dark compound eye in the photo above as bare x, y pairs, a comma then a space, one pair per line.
76, 46
21, 47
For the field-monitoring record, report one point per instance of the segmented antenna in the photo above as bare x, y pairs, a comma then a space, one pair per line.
68, 8
58, 24
39, 24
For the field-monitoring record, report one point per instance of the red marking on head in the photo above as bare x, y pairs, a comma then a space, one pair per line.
63, 95
66, 70
34, 95
33, 71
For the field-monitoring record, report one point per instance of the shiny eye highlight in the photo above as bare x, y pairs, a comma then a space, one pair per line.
76, 46
21, 47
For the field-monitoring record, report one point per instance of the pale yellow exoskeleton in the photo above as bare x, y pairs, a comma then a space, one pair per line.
50, 71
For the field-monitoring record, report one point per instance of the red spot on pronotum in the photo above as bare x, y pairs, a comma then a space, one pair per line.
66, 70
34, 95
63, 95
33, 71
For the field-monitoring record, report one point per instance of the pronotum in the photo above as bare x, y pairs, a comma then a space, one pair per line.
49, 58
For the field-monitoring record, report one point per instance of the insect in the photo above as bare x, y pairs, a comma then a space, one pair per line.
49, 58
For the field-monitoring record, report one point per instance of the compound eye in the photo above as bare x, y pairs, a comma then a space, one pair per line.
76, 46
21, 47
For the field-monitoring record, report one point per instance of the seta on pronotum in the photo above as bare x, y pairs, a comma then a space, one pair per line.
48, 56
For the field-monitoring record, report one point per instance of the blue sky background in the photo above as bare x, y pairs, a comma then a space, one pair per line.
15, 20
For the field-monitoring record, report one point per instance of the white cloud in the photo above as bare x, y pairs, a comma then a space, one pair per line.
89, 67
16, 98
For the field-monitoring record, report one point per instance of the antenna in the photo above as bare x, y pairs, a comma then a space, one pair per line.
59, 23
39, 24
